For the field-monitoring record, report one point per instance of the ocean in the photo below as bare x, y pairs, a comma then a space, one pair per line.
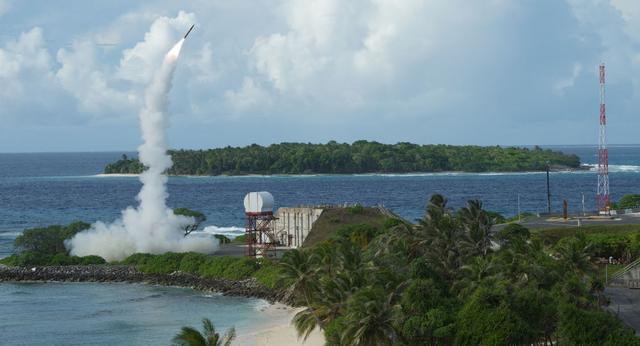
42, 189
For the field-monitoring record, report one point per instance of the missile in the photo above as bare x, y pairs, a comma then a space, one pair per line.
187, 34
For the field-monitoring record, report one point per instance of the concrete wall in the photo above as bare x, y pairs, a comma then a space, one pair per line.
293, 224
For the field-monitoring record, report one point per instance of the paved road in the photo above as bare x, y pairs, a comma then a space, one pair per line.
625, 305
547, 222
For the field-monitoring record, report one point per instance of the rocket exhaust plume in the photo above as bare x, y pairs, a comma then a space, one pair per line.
151, 227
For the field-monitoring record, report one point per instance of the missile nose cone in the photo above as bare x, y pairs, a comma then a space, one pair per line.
191, 28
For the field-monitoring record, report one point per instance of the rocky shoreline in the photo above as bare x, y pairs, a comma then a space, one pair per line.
249, 288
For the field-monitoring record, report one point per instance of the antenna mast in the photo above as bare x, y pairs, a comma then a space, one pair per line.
604, 200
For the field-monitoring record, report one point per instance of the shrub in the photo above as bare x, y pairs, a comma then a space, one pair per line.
227, 267
240, 269
48, 240
391, 222
191, 262
89, 260
591, 327
61, 259
241, 239
137, 259
627, 201
162, 264
27, 258
268, 274
360, 234
355, 209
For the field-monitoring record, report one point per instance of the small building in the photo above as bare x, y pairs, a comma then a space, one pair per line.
292, 225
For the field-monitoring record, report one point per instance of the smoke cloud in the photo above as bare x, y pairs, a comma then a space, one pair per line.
151, 227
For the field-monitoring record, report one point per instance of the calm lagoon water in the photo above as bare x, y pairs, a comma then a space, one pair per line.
44, 189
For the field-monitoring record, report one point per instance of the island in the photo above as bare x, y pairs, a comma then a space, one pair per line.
360, 157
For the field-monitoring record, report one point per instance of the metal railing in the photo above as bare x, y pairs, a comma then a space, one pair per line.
620, 273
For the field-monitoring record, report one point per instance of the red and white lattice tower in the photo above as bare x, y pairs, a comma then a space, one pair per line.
604, 201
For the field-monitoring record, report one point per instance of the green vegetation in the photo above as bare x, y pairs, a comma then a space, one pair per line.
241, 239
442, 282
553, 235
333, 219
207, 266
189, 336
198, 218
367, 279
45, 246
619, 241
627, 202
359, 157
222, 238
125, 166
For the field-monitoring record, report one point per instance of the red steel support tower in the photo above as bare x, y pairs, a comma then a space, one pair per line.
260, 240
604, 201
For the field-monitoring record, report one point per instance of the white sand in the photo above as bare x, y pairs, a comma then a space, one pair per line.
278, 330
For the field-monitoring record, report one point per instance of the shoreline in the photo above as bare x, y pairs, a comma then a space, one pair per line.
581, 168
248, 288
278, 329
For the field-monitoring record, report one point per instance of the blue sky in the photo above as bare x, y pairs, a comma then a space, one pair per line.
448, 71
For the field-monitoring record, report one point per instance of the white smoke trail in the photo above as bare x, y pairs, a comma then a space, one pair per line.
151, 227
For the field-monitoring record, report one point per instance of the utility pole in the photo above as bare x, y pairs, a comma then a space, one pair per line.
548, 191
584, 213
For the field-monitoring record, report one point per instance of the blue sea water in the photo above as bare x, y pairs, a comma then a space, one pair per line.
114, 313
44, 189
58, 188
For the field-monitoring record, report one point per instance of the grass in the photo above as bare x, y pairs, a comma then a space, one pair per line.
553, 235
335, 218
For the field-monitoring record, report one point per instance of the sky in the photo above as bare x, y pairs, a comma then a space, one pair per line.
484, 72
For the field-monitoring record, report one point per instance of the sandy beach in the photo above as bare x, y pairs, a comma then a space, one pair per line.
279, 330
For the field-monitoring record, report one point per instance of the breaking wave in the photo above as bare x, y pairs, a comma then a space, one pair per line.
616, 168
229, 232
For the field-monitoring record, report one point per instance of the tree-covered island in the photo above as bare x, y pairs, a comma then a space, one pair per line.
358, 157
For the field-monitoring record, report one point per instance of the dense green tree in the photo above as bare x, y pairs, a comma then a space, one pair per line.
48, 240
627, 201
358, 157
369, 319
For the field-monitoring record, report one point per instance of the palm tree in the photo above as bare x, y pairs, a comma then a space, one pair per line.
477, 223
369, 319
300, 272
189, 336
472, 275
441, 239
575, 255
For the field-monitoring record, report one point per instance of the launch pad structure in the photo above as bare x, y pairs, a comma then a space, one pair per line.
261, 240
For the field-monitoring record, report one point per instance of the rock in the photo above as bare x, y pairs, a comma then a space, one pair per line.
120, 273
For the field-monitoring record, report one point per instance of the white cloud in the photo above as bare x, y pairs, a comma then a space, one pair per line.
379, 69
250, 96
24, 68
138, 63
88, 81
114, 90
